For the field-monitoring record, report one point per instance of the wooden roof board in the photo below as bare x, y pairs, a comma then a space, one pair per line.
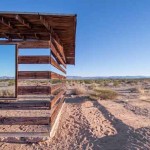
63, 25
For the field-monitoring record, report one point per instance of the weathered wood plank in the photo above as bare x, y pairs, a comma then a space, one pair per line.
29, 105
56, 54
34, 74
22, 21
24, 134
60, 49
56, 65
34, 60
57, 76
34, 90
56, 111
33, 44
24, 121
56, 87
39, 75
56, 98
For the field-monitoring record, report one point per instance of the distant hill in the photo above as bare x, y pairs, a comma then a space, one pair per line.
103, 77
6, 77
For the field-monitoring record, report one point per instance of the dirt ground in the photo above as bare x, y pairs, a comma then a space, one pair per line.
121, 124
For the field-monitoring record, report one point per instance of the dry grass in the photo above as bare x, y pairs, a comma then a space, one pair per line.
137, 90
78, 90
104, 94
7, 93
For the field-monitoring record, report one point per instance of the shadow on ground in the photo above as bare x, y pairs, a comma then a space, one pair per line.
126, 138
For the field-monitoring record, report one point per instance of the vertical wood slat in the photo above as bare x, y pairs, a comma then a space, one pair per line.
16, 71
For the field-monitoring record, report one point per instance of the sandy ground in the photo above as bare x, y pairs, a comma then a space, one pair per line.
96, 125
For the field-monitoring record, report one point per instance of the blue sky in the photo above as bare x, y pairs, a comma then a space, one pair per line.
113, 36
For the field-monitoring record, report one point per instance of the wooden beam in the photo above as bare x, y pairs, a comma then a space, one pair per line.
24, 121
56, 65
34, 90
22, 21
6, 23
34, 60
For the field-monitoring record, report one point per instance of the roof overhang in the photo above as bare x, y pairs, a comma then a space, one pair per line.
40, 27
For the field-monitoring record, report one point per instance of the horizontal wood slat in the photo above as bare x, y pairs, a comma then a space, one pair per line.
56, 54
24, 134
56, 98
24, 121
33, 90
56, 65
57, 76
39, 75
56, 111
33, 44
54, 88
33, 59
60, 49
27, 105
34, 75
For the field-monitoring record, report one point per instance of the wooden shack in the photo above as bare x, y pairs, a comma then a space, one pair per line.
38, 30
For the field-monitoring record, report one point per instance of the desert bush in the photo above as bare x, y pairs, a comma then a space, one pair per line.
137, 90
88, 81
78, 91
92, 86
99, 93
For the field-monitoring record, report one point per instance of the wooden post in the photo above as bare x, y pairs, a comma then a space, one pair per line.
16, 74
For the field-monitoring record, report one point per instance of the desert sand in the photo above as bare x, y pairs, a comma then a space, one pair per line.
85, 124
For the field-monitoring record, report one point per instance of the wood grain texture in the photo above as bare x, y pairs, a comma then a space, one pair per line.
24, 121
34, 90
56, 98
33, 59
39, 75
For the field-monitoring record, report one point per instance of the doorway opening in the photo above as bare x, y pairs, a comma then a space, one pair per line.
7, 71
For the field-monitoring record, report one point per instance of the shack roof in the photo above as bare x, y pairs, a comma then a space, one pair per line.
39, 26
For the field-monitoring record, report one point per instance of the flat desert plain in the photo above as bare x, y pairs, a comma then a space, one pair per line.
87, 123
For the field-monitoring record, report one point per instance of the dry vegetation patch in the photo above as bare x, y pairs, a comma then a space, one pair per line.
101, 93
7, 93
137, 90
78, 90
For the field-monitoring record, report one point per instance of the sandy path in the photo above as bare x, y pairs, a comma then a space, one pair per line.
95, 125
